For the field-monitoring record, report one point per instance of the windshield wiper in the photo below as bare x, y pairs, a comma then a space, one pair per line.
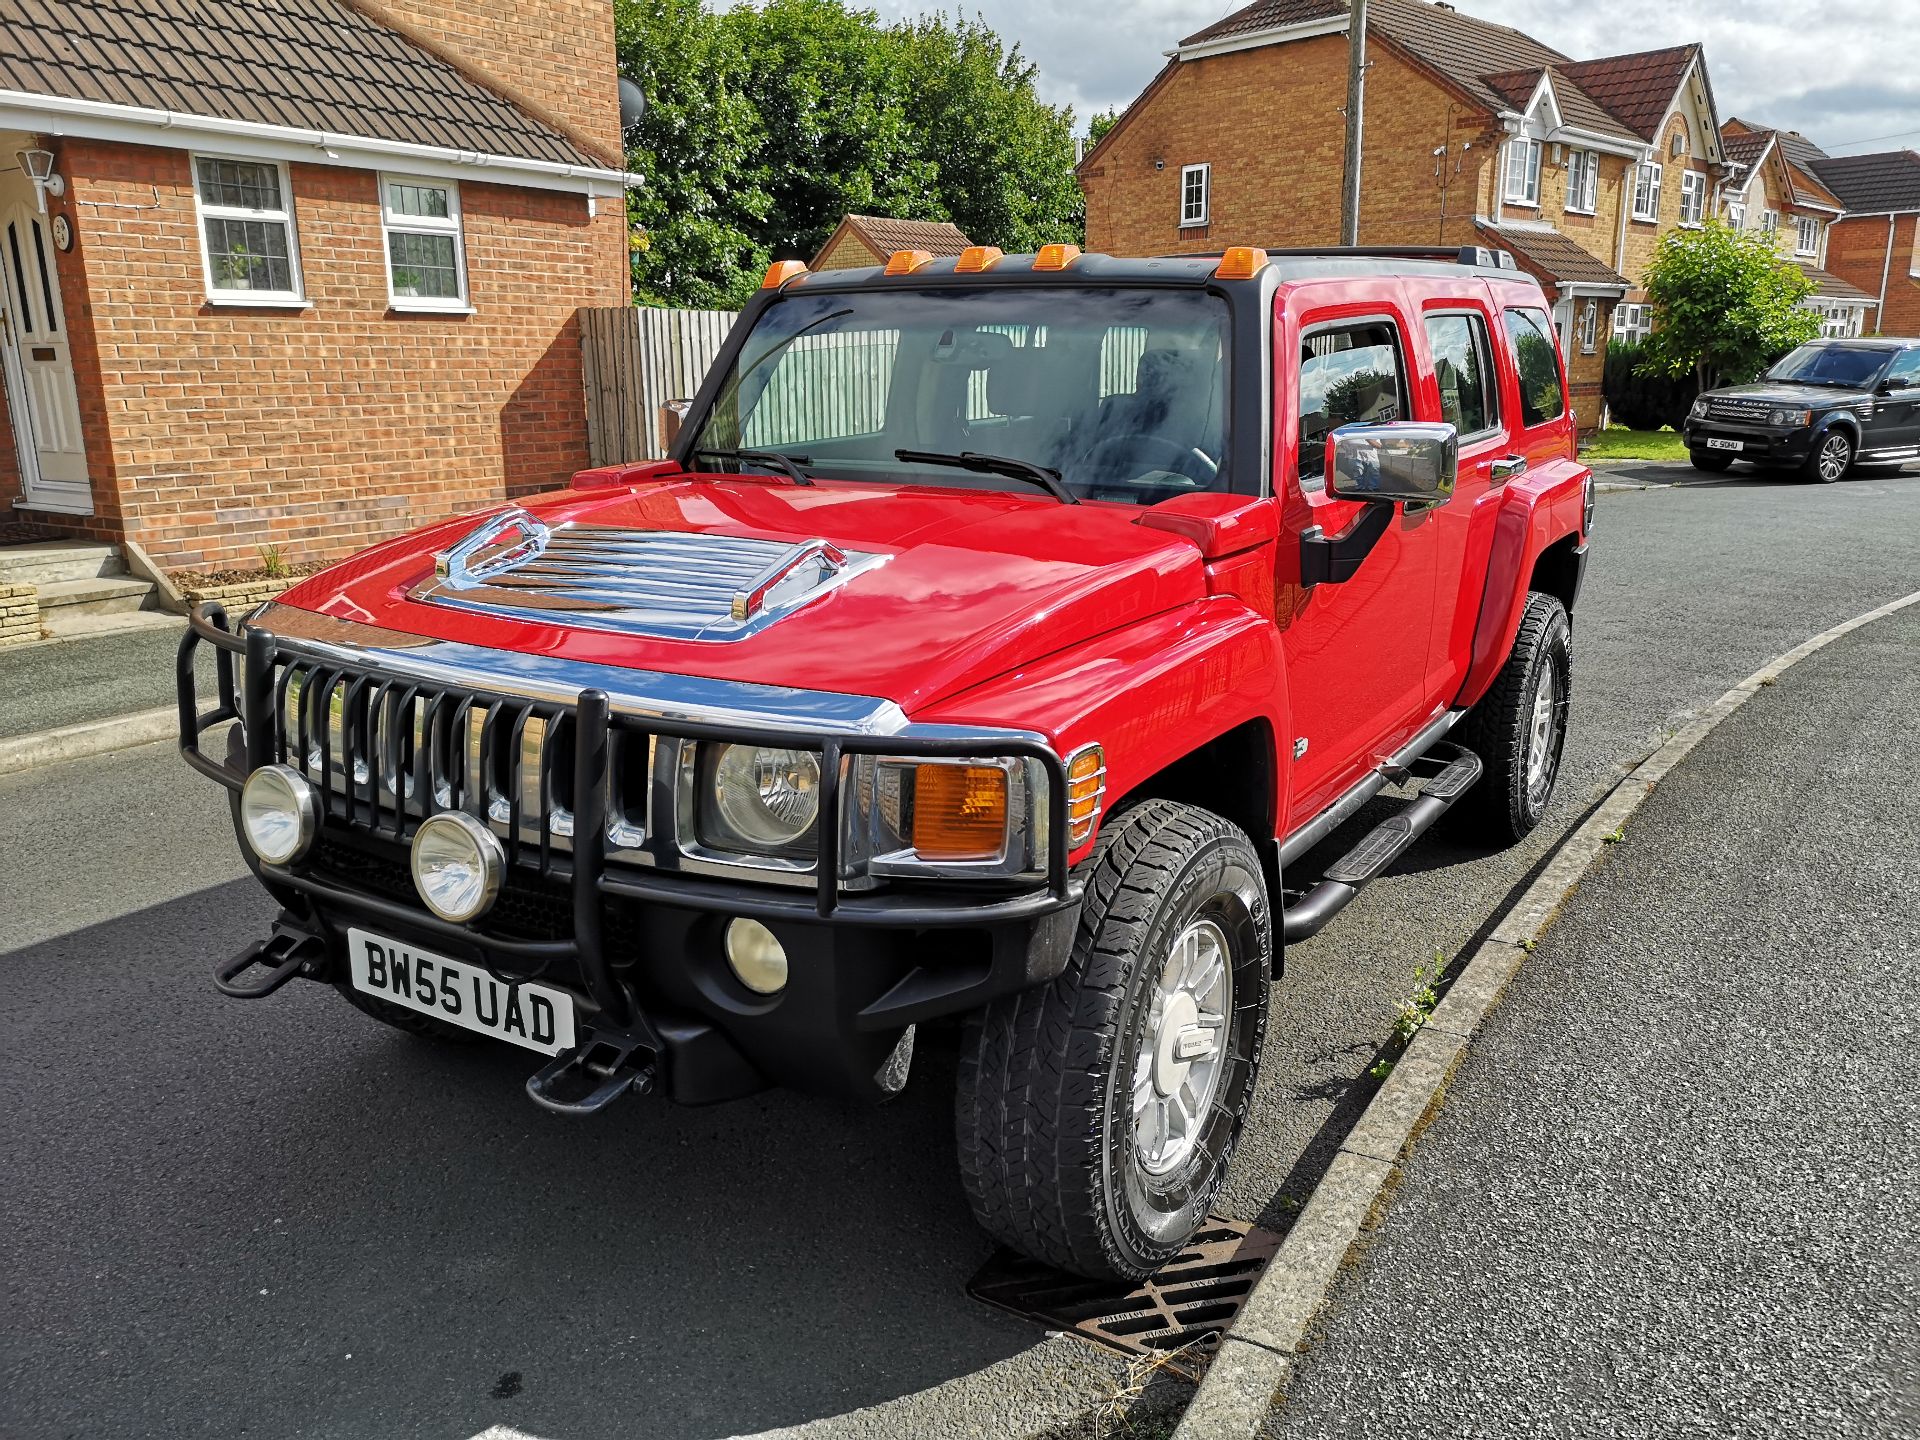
788, 465
1007, 465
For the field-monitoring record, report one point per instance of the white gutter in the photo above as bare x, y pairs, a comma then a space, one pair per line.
131, 124
1254, 39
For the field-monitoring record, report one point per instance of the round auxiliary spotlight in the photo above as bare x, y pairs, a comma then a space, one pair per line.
278, 814
458, 866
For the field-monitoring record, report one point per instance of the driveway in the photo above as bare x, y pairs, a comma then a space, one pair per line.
279, 1218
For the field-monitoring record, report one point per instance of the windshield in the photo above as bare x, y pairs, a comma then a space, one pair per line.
1853, 366
1119, 392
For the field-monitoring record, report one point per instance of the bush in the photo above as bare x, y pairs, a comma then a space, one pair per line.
1640, 401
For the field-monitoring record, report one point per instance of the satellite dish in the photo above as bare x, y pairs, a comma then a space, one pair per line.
633, 104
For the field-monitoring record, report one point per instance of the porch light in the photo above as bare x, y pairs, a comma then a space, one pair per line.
39, 167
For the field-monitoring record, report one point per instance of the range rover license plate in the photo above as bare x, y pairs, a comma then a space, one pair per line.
536, 1016
1714, 442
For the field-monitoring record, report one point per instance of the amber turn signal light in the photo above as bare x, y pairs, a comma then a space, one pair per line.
781, 271
1086, 787
1056, 257
959, 812
1240, 262
976, 258
905, 262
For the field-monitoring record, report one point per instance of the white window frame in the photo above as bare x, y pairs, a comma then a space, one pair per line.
1190, 217
296, 298
1737, 214
1647, 180
1806, 235
1589, 326
1770, 222
1693, 199
454, 225
1632, 322
1522, 187
1583, 181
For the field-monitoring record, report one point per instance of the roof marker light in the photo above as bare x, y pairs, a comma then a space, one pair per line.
781, 271
976, 258
1240, 262
905, 262
1056, 257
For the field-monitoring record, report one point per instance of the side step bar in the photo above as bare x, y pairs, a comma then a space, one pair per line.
1454, 770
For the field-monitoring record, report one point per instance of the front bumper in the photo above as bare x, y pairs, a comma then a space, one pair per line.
638, 946
1758, 443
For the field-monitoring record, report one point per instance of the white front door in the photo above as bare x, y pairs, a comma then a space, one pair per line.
37, 361
1563, 326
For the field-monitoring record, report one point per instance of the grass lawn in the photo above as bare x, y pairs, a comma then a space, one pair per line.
1620, 443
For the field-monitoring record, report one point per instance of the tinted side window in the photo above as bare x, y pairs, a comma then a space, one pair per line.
1460, 354
1539, 364
1348, 373
1906, 367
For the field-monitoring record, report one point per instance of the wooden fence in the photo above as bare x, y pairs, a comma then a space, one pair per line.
636, 361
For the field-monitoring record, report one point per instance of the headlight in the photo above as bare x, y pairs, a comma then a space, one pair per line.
1793, 419
458, 866
1699, 409
760, 800
278, 814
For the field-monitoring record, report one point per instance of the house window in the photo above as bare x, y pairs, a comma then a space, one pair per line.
1693, 198
1646, 192
1589, 327
247, 241
1769, 221
1523, 171
1583, 181
426, 259
1806, 235
1632, 322
1737, 215
1194, 184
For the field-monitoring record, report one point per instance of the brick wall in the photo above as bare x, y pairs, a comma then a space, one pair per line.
1644, 235
553, 55
848, 252
220, 431
1857, 253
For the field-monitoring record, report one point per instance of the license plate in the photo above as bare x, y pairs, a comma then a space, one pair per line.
536, 1016
1714, 442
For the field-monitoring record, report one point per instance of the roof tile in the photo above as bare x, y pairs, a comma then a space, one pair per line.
1874, 184
1547, 253
1637, 88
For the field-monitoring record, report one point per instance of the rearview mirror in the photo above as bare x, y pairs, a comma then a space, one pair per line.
1411, 460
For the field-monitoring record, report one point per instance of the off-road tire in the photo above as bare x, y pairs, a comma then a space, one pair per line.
1830, 458
423, 1027
1713, 461
1507, 802
1044, 1115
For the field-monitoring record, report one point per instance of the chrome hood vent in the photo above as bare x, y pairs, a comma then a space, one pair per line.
667, 583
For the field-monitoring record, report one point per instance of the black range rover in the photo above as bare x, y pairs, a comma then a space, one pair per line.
1828, 405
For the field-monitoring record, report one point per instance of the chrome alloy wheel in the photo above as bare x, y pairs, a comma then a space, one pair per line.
1183, 1047
1541, 756
1836, 453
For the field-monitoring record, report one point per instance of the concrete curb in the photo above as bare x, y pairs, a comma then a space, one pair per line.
94, 737
1256, 1356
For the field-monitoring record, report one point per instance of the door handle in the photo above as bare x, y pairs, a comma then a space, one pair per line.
1506, 467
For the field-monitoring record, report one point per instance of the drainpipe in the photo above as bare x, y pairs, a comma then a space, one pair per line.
1886, 266
1628, 179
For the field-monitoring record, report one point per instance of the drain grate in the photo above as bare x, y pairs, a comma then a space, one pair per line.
1185, 1307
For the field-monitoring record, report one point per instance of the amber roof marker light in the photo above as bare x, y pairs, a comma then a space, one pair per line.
1240, 262
1056, 257
976, 258
781, 271
905, 262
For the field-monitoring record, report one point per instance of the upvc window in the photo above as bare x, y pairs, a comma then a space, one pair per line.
1769, 221
1806, 235
1583, 181
426, 254
1646, 191
1523, 171
1632, 322
1195, 181
1737, 215
248, 245
1589, 327
1693, 198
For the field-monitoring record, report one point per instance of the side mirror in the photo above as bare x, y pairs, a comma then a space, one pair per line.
1413, 460
673, 414
1891, 384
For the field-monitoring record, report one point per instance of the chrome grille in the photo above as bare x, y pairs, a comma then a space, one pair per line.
651, 582
1727, 408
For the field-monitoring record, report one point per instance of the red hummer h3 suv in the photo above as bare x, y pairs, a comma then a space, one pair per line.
998, 640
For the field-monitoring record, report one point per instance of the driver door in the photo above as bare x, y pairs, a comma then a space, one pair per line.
1356, 651
1895, 423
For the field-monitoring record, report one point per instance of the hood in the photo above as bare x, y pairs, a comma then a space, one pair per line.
943, 587
1789, 393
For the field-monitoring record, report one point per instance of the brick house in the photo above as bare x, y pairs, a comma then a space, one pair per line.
1474, 133
1875, 246
1775, 188
309, 270
862, 240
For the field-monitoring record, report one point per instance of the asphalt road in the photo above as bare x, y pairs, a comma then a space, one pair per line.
1670, 1190
214, 1205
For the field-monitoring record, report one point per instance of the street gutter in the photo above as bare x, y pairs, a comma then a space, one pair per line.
1255, 1360
92, 737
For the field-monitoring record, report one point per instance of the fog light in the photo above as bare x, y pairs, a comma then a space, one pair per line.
278, 814
758, 959
458, 866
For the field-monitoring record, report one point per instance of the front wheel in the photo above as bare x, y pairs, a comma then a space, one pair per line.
1830, 458
1096, 1114
1520, 725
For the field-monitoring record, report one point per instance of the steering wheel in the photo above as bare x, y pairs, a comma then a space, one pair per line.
1188, 460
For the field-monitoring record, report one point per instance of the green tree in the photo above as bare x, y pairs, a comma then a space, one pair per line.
1726, 303
1100, 124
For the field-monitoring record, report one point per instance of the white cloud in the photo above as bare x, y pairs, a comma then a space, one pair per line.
1837, 70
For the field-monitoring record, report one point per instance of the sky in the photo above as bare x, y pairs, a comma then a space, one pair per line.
1845, 73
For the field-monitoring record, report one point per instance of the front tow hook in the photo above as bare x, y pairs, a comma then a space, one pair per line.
284, 955
594, 1074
